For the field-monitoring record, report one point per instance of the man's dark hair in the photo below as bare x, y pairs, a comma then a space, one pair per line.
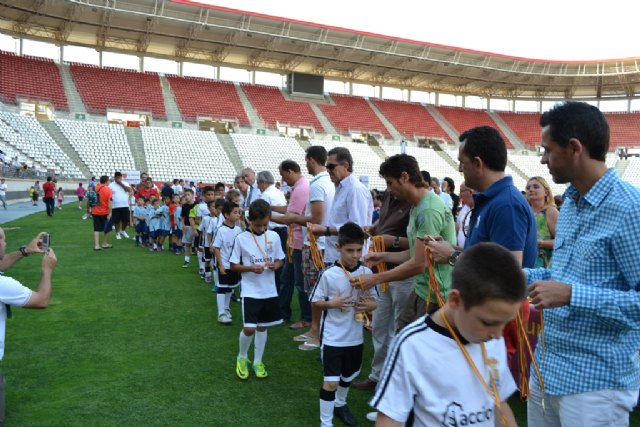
218, 203
317, 153
208, 189
450, 183
350, 233
117, 174
290, 165
488, 271
426, 177
394, 166
581, 121
188, 190
342, 156
259, 209
104, 179
220, 185
49, 178
485, 142
228, 207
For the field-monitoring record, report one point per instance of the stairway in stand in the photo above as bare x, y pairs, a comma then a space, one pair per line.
134, 138
54, 131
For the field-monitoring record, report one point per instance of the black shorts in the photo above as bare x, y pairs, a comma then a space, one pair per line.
229, 280
261, 312
120, 215
206, 254
99, 222
341, 363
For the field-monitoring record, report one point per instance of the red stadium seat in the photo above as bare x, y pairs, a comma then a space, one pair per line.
624, 129
103, 88
353, 113
273, 107
462, 119
526, 126
411, 119
196, 96
31, 78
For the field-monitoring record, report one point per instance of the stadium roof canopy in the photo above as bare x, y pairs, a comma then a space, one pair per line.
180, 30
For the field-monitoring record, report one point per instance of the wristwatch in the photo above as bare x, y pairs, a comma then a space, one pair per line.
396, 242
327, 231
23, 250
454, 256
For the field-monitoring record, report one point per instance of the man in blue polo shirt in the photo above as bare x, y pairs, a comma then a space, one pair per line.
500, 214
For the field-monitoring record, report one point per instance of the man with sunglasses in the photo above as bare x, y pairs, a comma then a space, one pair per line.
352, 202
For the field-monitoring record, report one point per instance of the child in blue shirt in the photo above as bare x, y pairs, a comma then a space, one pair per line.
140, 214
165, 223
154, 224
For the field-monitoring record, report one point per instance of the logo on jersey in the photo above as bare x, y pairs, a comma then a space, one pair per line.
492, 364
455, 415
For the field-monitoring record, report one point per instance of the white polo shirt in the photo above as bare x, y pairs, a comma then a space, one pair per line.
321, 189
352, 203
13, 293
274, 197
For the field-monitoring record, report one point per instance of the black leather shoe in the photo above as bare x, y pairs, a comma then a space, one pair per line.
344, 414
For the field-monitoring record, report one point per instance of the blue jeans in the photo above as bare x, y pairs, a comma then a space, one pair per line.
50, 204
292, 277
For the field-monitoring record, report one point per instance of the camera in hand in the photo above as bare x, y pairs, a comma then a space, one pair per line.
45, 241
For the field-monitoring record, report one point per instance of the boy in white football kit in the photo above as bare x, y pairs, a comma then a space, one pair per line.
222, 247
256, 254
341, 336
209, 227
450, 367
202, 210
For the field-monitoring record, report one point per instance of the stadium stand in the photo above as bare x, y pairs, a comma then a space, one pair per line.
26, 135
102, 147
267, 152
352, 113
632, 173
526, 126
187, 154
365, 161
105, 88
272, 107
216, 99
411, 119
625, 129
462, 119
429, 161
31, 78
531, 166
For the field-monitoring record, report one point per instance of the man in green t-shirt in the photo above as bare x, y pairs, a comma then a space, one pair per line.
428, 217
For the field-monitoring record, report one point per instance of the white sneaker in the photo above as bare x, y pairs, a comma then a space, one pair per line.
228, 313
124, 234
118, 236
372, 416
224, 319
